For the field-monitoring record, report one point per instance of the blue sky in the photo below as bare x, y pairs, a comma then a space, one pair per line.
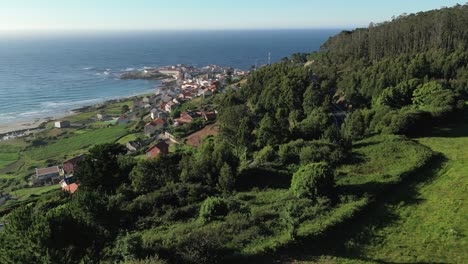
202, 14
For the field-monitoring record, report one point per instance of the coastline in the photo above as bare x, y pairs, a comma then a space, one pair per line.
27, 127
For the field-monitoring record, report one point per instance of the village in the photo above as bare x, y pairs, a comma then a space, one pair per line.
164, 117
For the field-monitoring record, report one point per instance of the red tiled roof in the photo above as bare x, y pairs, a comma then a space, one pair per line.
158, 121
210, 115
161, 145
71, 188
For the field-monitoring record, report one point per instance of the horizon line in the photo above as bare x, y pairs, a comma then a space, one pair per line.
174, 30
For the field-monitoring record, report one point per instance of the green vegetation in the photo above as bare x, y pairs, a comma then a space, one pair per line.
128, 138
77, 142
24, 194
331, 154
8, 154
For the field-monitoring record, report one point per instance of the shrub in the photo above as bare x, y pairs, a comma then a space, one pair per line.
203, 246
212, 208
313, 181
267, 154
227, 179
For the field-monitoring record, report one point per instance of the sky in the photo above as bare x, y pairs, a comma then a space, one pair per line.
69, 15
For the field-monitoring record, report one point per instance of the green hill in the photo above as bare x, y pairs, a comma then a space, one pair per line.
355, 153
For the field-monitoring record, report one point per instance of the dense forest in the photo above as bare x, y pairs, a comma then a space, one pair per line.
281, 167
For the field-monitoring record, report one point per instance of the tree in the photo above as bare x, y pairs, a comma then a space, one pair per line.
267, 133
212, 208
100, 169
354, 126
152, 174
227, 179
267, 154
312, 181
125, 109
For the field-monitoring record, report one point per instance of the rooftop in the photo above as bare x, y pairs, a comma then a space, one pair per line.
43, 171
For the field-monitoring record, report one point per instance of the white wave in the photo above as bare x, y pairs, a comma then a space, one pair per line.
68, 103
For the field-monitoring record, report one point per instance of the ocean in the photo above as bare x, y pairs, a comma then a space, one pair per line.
47, 75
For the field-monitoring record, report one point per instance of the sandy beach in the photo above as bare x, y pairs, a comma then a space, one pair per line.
20, 126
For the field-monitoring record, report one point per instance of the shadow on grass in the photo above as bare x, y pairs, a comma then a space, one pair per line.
345, 239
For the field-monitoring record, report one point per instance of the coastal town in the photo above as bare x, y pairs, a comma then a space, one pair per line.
180, 111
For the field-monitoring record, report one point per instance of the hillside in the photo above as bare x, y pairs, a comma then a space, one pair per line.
342, 155
421, 221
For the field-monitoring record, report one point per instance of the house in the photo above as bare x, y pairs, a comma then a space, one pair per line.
172, 72
123, 119
215, 86
166, 98
209, 116
154, 113
170, 106
102, 116
137, 103
162, 107
187, 117
69, 166
133, 146
162, 148
46, 174
62, 124
158, 114
186, 95
205, 92
69, 185
154, 125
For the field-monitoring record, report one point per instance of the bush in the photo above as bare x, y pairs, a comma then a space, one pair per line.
313, 181
212, 208
267, 154
203, 246
227, 179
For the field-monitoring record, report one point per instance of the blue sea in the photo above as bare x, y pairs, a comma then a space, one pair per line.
47, 75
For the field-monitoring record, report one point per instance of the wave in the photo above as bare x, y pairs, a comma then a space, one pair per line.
73, 103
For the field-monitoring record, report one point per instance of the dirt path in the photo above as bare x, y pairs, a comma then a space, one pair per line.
196, 138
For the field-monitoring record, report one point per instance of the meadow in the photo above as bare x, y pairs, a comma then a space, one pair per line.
260, 220
77, 142
421, 220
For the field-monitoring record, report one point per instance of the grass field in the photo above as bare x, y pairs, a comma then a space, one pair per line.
424, 220
80, 141
8, 154
431, 225
24, 194
128, 138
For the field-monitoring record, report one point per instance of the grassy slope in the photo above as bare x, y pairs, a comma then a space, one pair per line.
80, 141
433, 228
422, 221
267, 206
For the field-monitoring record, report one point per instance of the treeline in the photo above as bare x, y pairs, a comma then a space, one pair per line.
398, 77
270, 169
445, 29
